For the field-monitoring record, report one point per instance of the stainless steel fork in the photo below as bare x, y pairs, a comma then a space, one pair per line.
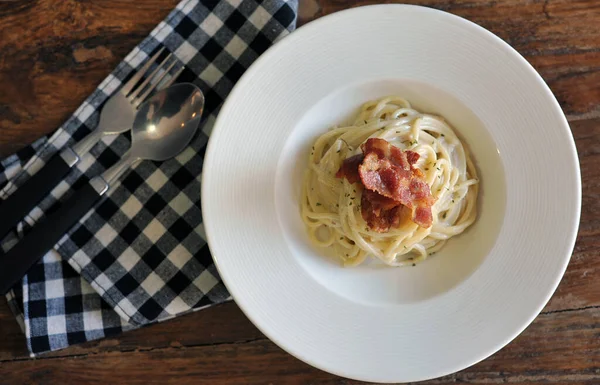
116, 117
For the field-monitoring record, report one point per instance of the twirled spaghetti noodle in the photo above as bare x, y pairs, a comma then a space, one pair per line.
330, 205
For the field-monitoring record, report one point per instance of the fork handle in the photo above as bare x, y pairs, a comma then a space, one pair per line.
22, 201
45, 234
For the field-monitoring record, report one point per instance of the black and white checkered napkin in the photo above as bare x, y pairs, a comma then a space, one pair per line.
140, 256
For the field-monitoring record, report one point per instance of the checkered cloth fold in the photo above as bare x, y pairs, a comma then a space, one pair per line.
140, 255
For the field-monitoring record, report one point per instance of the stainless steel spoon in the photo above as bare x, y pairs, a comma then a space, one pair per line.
163, 127
116, 117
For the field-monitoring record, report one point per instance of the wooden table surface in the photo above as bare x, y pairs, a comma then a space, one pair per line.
54, 53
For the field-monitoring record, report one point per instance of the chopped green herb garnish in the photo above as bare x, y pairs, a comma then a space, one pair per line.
414, 264
444, 216
318, 204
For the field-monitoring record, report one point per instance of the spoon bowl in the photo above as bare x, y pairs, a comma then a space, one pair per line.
165, 124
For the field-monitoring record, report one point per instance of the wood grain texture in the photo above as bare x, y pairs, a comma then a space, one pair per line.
48, 67
558, 348
53, 54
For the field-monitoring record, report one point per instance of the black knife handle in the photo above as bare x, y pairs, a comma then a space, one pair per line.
22, 201
44, 235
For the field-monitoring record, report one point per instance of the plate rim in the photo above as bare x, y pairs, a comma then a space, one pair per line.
305, 30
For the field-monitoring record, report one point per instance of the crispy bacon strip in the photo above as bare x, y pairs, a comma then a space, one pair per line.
403, 159
379, 212
349, 168
404, 186
422, 216
390, 181
412, 157
381, 175
384, 150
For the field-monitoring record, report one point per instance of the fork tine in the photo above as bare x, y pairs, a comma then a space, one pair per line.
151, 87
139, 89
138, 75
172, 78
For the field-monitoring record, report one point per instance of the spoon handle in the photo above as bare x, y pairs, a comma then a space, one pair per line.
44, 235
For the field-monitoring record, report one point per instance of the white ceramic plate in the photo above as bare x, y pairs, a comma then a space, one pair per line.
386, 324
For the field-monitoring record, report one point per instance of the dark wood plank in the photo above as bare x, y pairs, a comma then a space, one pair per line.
12, 340
48, 67
578, 288
558, 348
53, 54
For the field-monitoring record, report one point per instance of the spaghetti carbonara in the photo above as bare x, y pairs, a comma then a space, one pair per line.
331, 206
